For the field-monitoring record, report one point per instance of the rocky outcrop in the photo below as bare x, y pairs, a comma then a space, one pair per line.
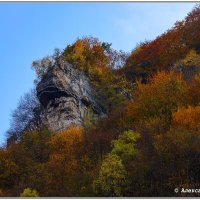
67, 97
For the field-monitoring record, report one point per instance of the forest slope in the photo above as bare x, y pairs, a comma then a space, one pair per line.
147, 144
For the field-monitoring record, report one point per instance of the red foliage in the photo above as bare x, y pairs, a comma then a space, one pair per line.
165, 50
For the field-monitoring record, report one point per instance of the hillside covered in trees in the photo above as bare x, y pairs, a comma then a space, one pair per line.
147, 142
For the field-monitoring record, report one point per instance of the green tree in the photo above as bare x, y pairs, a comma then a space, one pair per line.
125, 146
112, 177
29, 193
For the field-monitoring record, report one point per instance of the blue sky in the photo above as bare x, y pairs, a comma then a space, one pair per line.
29, 31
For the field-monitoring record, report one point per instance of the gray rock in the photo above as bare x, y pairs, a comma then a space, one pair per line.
67, 97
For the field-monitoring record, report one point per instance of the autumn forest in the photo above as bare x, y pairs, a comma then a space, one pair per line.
146, 145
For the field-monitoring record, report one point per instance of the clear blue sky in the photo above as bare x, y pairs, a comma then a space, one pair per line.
29, 31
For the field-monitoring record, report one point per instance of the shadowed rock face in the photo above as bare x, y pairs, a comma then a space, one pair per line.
66, 96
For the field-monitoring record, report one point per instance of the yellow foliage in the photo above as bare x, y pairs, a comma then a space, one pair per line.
191, 59
86, 53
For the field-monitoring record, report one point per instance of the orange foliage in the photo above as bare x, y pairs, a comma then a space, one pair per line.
86, 53
65, 152
159, 98
188, 118
66, 142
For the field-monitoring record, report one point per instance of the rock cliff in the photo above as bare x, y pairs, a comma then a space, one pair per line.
67, 97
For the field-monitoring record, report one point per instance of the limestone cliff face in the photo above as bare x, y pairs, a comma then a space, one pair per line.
67, 97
